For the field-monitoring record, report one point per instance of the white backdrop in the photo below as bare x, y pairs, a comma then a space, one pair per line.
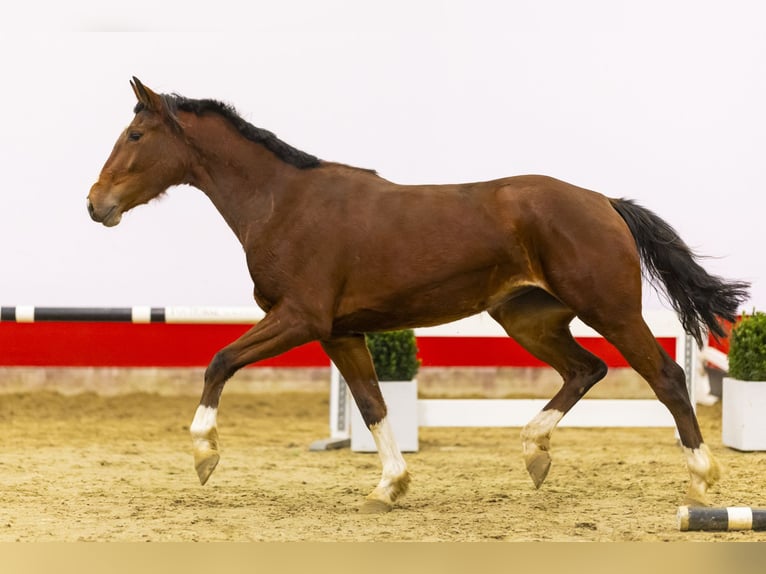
663, 102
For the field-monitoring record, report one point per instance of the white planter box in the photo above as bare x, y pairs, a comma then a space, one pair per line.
402, 401
743, 418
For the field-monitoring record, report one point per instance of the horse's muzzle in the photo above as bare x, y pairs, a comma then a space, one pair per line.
109, 215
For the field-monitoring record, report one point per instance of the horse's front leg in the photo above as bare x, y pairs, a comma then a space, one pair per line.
278, 332
353, 360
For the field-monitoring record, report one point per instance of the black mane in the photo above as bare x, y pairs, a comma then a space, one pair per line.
282, 150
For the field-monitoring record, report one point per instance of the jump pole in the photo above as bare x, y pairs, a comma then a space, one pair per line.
721, 519
135, 314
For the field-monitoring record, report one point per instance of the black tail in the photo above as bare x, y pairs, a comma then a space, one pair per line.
699, 298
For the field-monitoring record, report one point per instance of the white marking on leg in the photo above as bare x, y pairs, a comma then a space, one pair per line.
203, 428
703, 470
395, 478
536, 435
205, 439
204, 420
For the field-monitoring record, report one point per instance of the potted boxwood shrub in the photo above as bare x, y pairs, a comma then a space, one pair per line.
744, 390
394, 355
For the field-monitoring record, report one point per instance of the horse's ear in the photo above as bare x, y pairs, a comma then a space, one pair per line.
145, 96
154, 102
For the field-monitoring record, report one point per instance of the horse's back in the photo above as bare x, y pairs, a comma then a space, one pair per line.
541, 193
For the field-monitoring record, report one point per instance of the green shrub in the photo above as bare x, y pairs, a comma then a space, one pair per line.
747, 348
394, 355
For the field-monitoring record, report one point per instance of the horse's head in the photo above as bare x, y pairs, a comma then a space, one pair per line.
149, 156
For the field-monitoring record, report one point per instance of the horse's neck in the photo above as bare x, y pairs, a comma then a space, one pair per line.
242, 178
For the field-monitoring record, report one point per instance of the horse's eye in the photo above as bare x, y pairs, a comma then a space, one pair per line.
134, 136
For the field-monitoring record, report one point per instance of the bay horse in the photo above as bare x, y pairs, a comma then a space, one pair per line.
336, 251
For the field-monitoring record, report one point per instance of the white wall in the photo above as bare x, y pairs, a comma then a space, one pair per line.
660, 101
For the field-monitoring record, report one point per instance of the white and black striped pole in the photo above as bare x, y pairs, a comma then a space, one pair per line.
718, 519
136, 314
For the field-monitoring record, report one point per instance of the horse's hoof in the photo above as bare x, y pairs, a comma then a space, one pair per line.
538, 466
374, 506
205, 465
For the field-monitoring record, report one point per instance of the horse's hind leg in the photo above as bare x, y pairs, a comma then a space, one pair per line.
540, 323
353, 360
634, 340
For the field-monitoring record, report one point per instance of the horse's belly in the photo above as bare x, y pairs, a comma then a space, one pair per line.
424, 306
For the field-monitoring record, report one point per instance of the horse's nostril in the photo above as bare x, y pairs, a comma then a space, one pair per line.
91, 209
